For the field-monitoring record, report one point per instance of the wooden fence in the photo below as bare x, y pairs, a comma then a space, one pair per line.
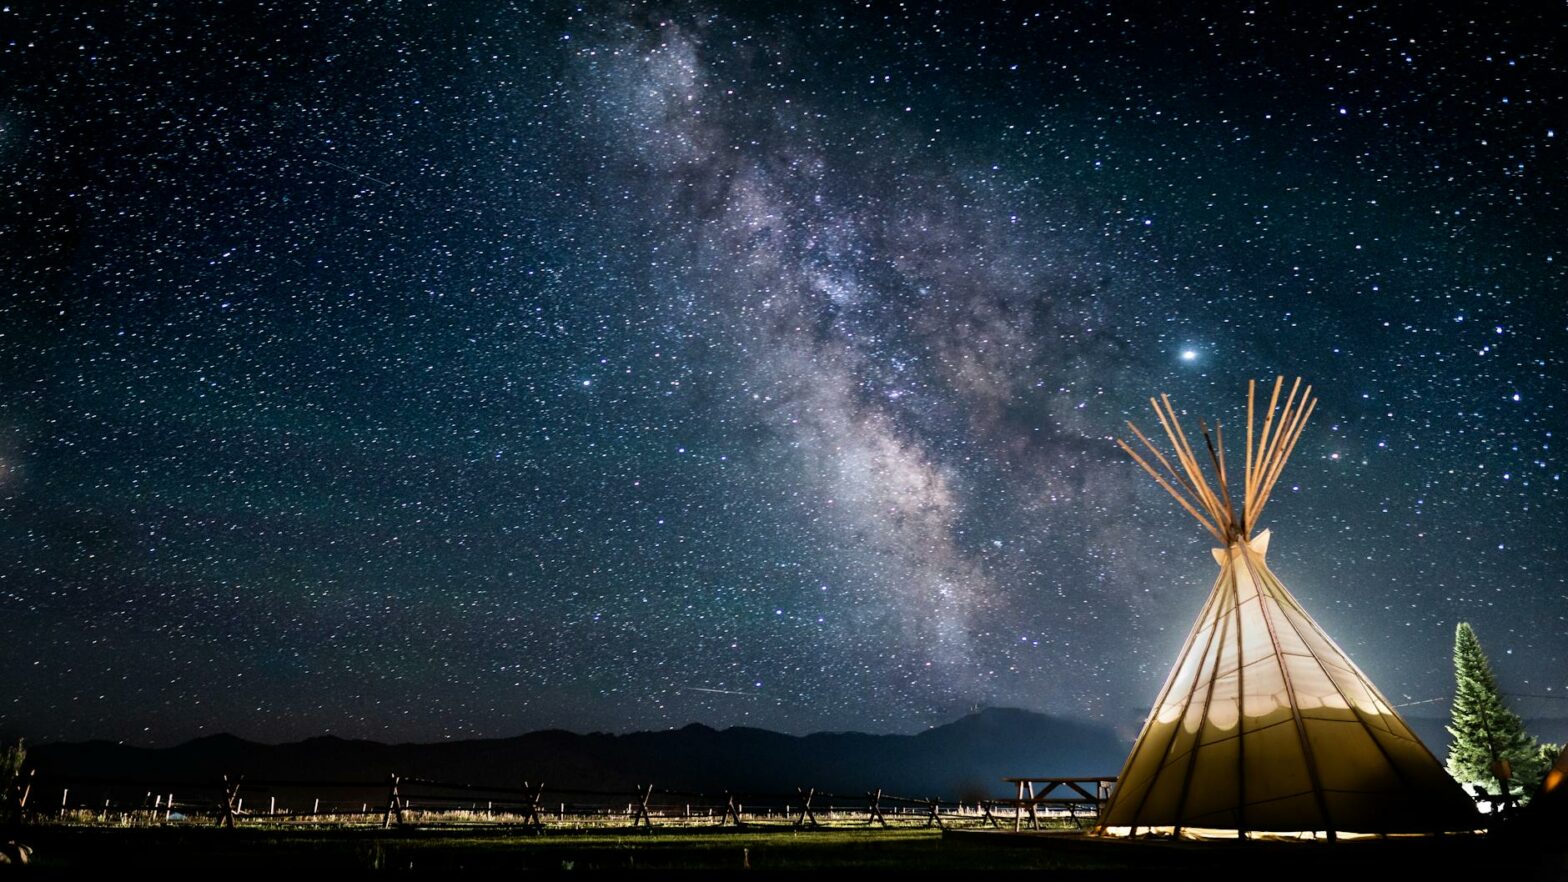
404, 801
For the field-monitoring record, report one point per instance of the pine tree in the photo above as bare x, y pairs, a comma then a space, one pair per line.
1490, 743
12, 756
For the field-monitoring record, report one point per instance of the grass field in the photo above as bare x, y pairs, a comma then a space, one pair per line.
258, 850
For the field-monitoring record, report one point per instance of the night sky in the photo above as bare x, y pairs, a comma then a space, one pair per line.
421, 371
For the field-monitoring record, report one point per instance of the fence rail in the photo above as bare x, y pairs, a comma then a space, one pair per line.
397, 800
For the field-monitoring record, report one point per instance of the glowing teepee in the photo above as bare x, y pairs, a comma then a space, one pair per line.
1265, 726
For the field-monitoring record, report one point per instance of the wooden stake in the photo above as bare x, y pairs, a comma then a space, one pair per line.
22, 788
531, 816
985, 807
394, 803
731, 810
874, 809
231, 802
805, 809
641, 816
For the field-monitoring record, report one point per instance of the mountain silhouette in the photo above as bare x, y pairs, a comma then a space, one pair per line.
963, 759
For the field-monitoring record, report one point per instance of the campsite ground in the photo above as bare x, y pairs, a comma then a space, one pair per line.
255, 849
260, 850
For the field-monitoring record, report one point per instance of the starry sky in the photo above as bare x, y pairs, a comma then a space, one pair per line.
441, 370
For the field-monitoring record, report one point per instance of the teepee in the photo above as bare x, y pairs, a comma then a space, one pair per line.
1265, 726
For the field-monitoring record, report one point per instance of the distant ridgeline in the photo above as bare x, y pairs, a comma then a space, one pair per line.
965, 759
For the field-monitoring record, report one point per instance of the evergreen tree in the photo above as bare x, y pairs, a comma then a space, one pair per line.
12, 756
1490, 743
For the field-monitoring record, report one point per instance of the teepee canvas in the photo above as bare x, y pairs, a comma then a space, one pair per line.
1264, 725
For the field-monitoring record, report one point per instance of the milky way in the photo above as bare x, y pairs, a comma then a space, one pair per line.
421, 373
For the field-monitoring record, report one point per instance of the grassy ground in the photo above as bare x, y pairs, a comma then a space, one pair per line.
258, 850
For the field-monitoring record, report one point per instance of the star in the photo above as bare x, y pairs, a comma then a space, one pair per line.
755, 301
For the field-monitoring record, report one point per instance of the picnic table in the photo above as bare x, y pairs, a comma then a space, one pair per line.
1072, 794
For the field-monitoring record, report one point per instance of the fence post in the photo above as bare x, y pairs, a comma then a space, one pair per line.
394, 804
874, 809
805, 809
935, 815
531, 816
643, 795
232, 803
24, 789
731, 810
